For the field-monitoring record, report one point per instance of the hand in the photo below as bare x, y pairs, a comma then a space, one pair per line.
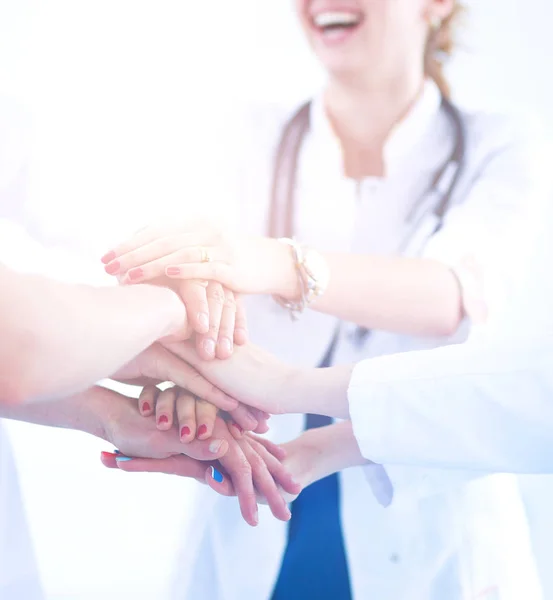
250, 265
249, 464
156, 364
195, 417
254, 376
213, 312
125, 428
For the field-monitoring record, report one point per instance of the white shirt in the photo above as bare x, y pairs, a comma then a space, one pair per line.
426, 544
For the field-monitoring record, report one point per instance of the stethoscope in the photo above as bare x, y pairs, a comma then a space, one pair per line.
437, 198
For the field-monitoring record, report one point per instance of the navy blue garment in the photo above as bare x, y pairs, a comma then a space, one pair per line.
314, 565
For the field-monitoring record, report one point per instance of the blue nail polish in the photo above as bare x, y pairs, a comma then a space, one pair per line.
218, 477
117, 451
123, 459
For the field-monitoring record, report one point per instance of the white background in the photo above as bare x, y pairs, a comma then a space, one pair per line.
123, 92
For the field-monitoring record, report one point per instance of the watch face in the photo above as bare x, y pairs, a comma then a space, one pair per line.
316, 268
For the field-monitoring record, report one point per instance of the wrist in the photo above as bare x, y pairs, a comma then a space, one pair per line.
287, 284
171, 310
319, 391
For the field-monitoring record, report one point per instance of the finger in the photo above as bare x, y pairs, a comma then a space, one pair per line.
243, 417
239, 470
227, 326
194, 295
207, 343
277, 451
147, 400
172, 368
205, 419
186, 416
152, 260
278, 471
262, 426
240, 323
108, 460
165, 408
218, 480
235, 430
264, 482
180, 465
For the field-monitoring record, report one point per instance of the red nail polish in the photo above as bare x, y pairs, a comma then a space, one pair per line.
109, 455
172, 271
163, 420
135, 274
185, 431
146, 407
107, 258
113, 267
202, 430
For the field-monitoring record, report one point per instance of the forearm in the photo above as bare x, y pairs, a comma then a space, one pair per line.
404, 295
58, 339
80, 412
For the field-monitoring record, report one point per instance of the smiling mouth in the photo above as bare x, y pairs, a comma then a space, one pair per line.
336, 21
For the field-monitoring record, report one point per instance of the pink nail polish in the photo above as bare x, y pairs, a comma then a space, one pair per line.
113, 268
146, 407
202, 430
185, 431
172, 271
163, 420
135, 274
107, 258
239, 429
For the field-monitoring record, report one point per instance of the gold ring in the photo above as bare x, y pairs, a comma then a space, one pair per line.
205, 257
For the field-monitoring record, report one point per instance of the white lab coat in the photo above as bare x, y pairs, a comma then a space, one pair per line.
19, 578
426, 542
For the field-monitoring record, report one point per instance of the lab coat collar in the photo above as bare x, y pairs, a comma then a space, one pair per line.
406, 134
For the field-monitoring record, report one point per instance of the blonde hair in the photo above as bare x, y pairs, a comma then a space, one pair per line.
440, 45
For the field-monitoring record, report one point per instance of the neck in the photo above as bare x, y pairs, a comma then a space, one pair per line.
364, 116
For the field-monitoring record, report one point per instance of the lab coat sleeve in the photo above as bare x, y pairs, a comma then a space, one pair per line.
469, 407
488, 236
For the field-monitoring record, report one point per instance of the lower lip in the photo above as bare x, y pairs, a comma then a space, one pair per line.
335, 37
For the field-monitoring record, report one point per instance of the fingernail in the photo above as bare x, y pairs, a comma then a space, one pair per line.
117, 451
226, 344
256, 517
107, 258
215, 446
236, 426
123, 459
135, 274
203, 320
185, 431
172, 271
113, 267
209, 347
216, 475
146, 407
202, 430
109, 455
163, 420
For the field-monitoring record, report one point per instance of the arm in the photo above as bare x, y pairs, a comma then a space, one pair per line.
464, 267
57, 338
474, 407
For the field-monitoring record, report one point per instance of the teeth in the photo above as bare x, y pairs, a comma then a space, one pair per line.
336, 19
